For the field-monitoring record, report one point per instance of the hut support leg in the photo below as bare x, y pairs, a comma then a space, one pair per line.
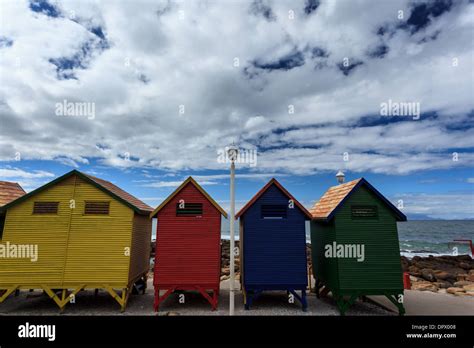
52, 295
159, 299
393, 299
122, 299
6, 293
251, 296
343, 304
301, 298
145, 282
324, 291
249, 300
64, 299
212, 300
321, 289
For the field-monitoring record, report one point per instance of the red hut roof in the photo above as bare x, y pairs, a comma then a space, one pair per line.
275, 182
9, 191
182, 186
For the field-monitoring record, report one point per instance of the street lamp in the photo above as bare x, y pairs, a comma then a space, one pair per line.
340, 177
232, 152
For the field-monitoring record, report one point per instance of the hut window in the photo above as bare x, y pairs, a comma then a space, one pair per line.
274, 211
188, 209
97, 208
45, 207
364, 212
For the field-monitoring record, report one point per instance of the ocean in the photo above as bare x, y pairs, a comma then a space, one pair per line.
424, 237
434, 237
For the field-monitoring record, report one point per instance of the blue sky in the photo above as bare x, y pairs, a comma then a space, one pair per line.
166, 85
427, 194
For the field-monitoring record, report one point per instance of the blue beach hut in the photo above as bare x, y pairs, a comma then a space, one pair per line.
273, 244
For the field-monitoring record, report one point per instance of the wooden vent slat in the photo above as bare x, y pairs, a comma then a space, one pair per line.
273, 211
364, 212
101, 208
45, 207
189, 209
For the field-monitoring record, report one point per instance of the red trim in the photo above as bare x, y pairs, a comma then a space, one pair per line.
275, 182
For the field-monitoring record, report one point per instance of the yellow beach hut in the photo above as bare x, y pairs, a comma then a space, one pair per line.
77, 232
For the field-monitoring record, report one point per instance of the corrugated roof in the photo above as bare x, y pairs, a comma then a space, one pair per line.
183, 185
9, 191
106, 186
275, 182
331, 199
335, 195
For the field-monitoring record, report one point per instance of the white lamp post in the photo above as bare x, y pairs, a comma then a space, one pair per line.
232, 152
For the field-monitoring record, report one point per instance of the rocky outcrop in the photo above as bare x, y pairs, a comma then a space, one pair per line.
444, 274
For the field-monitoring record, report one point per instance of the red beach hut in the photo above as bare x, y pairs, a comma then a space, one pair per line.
188, 237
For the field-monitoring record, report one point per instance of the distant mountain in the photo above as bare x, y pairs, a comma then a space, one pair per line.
420, 217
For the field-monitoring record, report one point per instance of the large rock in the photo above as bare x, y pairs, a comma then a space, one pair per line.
469, 287
427, 274
405, 263
462, 283
443, 284
424, 286
465, 265
454, 290
444, 275
415, 271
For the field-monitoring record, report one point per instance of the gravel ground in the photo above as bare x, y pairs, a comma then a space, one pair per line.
270, 303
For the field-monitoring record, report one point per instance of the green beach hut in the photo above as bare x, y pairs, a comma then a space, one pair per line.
355, 247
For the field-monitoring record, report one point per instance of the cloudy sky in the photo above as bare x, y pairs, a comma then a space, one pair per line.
167, 85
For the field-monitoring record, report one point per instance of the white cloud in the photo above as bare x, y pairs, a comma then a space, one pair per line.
190, 62
439, 206
159, 184
28, 180
14, 173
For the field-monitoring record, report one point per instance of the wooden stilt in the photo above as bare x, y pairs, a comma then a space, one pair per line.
159, 299
211, 300
393, 299
6, 293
